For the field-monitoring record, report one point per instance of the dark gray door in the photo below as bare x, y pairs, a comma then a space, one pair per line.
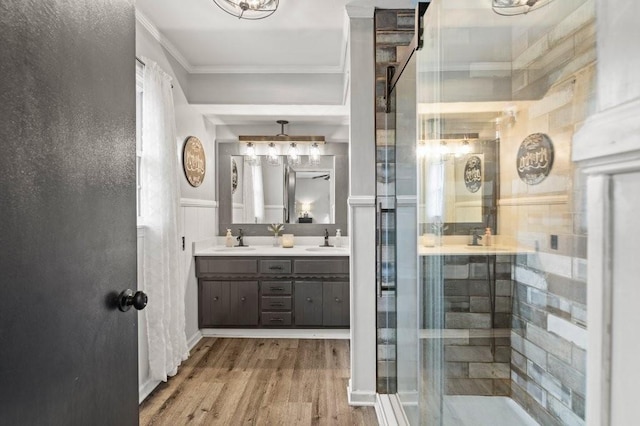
308, 303
67, 212
335, 296
215, 302
246, 303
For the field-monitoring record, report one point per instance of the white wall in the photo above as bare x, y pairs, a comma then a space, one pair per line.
198, 208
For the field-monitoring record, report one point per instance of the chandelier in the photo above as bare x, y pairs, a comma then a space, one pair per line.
517, 7
248, 9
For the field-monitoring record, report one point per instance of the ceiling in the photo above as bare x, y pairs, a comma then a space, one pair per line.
303, 36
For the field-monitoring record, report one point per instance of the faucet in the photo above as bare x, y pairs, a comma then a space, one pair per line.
326, 239
475, 236
240, 239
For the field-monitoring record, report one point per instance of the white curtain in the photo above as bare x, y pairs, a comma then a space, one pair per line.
253, 193
165, 316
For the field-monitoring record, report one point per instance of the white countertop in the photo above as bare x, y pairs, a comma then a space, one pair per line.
309, 246
467, 250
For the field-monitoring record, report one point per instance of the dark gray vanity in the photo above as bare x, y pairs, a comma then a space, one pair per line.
273, 291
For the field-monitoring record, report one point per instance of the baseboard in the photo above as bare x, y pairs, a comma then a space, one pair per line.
276, 333
360, 398
389, 411
145, 390
193, 340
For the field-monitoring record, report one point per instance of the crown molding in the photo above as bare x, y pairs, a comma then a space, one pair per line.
164, 42
265, 69
240, 69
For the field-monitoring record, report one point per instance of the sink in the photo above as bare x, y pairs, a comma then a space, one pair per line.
326, 249
234, 248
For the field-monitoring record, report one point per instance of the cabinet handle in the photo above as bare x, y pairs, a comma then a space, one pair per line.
277, 288
277, 304
309, 299
215, 298
338, 299
275, 268
276, 319
243, 298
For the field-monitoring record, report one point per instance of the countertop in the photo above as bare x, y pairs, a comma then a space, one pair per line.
213, 248
465, 249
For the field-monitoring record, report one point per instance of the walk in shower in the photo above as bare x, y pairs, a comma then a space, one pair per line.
482, 316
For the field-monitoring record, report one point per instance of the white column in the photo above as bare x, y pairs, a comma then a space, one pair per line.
362, 213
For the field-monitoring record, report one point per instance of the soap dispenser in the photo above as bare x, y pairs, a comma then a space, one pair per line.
228, 239
338, 242
488, 240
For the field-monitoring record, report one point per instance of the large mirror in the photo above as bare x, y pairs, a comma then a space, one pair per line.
263, 192
460, 189
307, 198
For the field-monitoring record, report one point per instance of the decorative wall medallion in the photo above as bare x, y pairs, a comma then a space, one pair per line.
473, 174
234, 176
193, 161
535, 158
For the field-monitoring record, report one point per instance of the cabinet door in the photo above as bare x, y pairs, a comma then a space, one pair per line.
214, 303
246, 303
335, 297
308, 303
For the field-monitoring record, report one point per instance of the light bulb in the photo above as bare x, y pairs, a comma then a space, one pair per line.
314, 155
272, 155
444, 148
251, 153
294, 156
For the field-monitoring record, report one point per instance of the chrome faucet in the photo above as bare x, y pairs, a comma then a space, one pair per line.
326, 239
475, 236
240, 239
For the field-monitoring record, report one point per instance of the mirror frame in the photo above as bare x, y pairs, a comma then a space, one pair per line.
224, 151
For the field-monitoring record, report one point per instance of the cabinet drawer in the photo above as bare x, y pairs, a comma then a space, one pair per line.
275, 266
321, 266
276, 303
226, 266
276, 318
276, 287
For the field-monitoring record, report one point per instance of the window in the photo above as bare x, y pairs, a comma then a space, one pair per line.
139, 88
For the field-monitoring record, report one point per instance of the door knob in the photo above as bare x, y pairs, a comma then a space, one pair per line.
128, 298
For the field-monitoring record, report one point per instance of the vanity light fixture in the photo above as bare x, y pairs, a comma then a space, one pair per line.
248, 9
293, 141
517, 7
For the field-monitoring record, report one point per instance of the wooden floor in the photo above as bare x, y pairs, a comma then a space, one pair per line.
258, 382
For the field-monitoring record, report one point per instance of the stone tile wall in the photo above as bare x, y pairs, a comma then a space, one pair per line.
393, 31
477, 351
554, 69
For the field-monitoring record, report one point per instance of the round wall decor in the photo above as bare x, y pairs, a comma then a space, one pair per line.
473, 174
234, 176
535, 158
193, 161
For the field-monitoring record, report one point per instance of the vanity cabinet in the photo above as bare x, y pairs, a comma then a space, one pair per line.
228, 303
273, 292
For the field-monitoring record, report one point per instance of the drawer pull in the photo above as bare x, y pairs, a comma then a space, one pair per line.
277, 304
338, 299
243, 298
215, 298
309, 300
277, 288
276, 319
275, 268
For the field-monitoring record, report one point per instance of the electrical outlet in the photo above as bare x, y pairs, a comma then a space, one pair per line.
554, 242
